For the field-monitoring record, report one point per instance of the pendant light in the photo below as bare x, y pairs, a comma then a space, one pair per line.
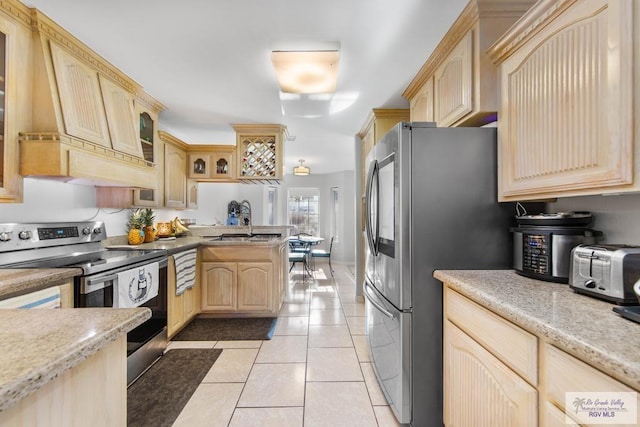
301, 170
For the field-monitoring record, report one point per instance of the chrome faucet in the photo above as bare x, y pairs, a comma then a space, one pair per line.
246, 205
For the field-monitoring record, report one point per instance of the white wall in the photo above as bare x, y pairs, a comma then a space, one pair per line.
50, 201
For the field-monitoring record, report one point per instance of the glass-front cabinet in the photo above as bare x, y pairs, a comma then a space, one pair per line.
15, 95
212, 163
147, 197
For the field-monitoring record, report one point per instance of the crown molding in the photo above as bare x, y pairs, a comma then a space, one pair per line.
538, 17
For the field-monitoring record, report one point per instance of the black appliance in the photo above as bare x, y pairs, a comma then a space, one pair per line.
542, 243
79, 245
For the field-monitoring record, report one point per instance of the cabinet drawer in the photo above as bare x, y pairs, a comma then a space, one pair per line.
236, 253
511, 344
564, 373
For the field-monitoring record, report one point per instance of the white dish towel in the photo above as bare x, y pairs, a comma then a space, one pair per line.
45, 298
185, 270
137, 286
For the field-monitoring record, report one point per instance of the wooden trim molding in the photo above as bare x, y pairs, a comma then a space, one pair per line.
17, 10
382, 113
541, 14
474, 10
166, 137
57, 138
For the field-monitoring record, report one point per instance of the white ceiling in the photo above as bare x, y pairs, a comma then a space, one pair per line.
208, 61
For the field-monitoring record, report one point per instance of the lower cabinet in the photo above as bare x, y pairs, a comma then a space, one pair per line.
181, 309
496, 373
477, 379
243, 280
94, 392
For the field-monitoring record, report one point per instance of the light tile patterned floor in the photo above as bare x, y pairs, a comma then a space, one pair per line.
315, 371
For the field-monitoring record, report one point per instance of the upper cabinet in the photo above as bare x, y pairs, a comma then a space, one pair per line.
566, 123
80, 97
457, 85
175, 171
259, 150
15, 94
212, 163
378, 123
83, 119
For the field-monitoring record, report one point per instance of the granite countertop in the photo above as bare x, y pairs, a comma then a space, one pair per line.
578, 324
172, 246
180, 244
39, 345
20, 281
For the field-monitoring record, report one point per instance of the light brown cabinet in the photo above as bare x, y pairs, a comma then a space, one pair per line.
243, 279
567, 120
15, 95
475, 379
192, 194
458, 85
260, 151
80, 97
219, 285
378, 123
421, 105
181, 309
212, 163
496, 373
82, 125
175, 171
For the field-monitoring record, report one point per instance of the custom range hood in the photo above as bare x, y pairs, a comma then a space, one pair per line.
85, 115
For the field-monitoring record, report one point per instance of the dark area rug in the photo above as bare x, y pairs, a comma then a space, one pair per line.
160, 394
208, 329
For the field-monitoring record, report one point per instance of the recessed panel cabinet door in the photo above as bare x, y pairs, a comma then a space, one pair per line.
480, 390
79, 91
121, 118
175, 177
453, 84
254, 286
566, 119
219, 286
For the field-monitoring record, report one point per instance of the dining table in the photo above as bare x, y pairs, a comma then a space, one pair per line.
302, 243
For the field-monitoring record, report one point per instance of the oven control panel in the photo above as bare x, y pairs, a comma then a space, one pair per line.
19, 236
47, 233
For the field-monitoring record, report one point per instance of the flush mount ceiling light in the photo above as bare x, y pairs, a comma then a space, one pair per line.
301, 170
314, 71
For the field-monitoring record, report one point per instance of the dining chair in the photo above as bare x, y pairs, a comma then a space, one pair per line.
321, 253
298, 257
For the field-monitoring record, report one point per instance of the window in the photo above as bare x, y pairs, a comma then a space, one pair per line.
272, 202
335, 212
303, 210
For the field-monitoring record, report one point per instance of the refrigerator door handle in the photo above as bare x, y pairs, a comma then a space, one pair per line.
372, 236
368, 293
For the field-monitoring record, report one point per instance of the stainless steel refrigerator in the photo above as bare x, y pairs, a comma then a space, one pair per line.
431, 204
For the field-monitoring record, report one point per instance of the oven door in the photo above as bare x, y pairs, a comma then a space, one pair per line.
100, 290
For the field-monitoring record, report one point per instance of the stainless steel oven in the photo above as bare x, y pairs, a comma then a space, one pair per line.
110, 278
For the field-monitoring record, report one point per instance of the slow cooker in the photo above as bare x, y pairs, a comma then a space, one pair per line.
542, 243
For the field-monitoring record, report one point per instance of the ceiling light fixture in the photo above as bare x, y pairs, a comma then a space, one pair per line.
310, 71
301, 170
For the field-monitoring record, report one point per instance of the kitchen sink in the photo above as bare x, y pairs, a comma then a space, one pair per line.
246, 237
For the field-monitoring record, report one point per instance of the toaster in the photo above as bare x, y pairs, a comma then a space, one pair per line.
607, 272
